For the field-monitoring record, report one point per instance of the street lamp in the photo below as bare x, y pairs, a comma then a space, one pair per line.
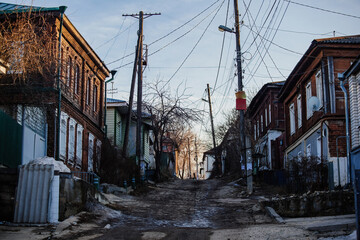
113, 72
223, 28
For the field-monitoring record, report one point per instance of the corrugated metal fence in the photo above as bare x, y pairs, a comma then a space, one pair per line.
33, 193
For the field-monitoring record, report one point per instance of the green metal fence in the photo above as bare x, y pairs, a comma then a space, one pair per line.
10, 141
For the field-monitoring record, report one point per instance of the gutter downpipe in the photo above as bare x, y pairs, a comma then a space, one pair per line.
57, 157
355, 182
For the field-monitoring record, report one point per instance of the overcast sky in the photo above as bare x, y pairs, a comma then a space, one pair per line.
282, 32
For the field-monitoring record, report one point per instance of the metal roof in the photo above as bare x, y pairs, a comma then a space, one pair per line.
11, 8
342, 40
113, 100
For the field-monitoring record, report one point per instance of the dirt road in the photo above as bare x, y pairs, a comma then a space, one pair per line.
180, 209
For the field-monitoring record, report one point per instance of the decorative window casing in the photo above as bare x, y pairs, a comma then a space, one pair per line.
299, 115
91, 153
71, 143
79, 141
88, 88
309, 111
63, 134
266, 118
77, 79
269, 113
68, 71
95, 96
98, 154
319, 88
292, 118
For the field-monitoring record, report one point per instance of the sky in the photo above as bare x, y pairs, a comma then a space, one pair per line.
185, 46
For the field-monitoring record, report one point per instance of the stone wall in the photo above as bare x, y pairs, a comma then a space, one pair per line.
74, 194
323, 203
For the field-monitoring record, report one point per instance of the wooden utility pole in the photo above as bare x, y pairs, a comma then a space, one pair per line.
240, 88
196, 160
218, 163
138, 66
189, 158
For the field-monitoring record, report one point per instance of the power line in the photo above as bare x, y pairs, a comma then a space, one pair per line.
222, 47
322, 9
166, 35
192, 50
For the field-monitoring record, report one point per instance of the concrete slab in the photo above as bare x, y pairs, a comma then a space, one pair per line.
324, 224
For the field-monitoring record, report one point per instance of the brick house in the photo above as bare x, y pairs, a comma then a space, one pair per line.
82, 75
266, 116
314, 104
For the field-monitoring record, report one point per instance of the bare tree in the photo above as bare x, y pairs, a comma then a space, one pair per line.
27, 44
168, 114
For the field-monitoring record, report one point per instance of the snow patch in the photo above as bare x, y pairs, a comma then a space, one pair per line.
58, 165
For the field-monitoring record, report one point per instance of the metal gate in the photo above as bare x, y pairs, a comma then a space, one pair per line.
10, 141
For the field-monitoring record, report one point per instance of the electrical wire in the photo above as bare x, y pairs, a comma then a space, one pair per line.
222, 47
322, 9
192, 50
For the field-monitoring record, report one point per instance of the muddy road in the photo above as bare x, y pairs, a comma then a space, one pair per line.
190, 209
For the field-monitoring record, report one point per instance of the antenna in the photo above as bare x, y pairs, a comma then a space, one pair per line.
313, 103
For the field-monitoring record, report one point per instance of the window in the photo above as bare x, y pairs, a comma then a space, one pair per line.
318, 148
63, 131
269, 113
79, 139
71, 143
254, 131
308, 96
299, 115
262, 123
308, 151
258, 127
292, 119
68, 71
76, 79
88, 91
91, 153
319, 87
266, 121
98, 154
95, 98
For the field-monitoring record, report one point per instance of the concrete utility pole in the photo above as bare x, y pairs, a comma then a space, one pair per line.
240, 88
138, 66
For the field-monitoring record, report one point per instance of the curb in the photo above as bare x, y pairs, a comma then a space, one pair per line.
274, 215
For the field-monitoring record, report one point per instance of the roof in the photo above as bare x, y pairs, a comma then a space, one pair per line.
314, 48
11, 8
259, 97
113, 100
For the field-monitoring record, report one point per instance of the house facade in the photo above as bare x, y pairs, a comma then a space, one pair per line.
314, 105
266, 116
352, 76
81, 103
116, 124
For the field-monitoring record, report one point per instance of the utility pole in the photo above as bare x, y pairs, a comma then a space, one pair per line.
240, 88
189, 158
196, 159
218, 163
138, 66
